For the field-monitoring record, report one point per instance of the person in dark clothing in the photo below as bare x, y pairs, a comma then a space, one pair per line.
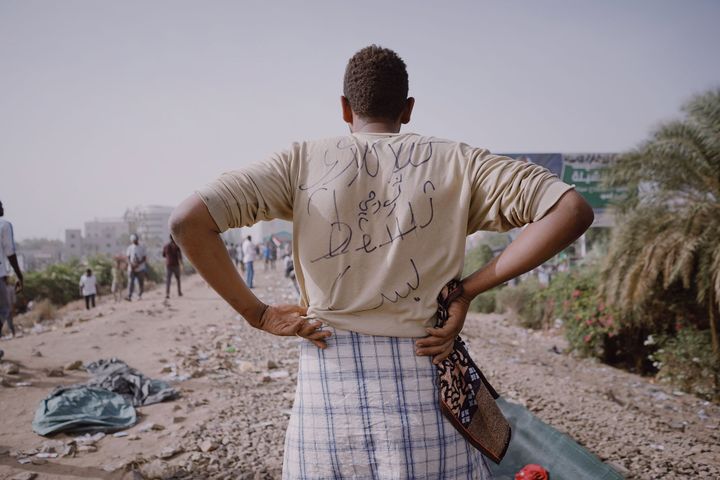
173, 263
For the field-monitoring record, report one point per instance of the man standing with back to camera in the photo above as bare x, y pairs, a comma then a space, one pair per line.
380, 220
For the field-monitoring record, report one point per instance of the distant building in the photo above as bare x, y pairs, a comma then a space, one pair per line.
38, 253
106, 236
73, 244
150, 222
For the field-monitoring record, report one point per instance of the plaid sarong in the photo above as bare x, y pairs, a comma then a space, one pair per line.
367, 407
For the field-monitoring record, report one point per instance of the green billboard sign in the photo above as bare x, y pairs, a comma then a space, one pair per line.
585, 172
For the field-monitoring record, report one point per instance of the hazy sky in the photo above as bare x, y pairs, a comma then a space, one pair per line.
105, 105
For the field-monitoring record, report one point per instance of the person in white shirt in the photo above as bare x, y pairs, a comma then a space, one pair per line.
88, 288
7, 250
249, 255
137, 266
239, 255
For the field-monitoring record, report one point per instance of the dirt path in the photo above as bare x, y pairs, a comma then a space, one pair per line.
231, 418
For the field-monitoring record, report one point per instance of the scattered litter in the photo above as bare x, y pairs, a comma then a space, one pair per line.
46, 455
116, 376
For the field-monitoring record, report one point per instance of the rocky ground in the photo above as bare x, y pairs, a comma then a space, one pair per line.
237, 387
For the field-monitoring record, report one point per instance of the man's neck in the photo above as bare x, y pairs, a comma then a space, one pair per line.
369, 125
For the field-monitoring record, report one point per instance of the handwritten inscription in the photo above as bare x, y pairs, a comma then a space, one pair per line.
393, 202
403, 292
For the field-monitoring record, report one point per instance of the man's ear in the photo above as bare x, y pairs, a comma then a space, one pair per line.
407, 111
346, 110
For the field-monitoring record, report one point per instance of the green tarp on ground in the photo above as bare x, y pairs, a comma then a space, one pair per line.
534, 441
83, 409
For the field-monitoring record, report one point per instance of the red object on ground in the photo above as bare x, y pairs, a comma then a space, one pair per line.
532, 472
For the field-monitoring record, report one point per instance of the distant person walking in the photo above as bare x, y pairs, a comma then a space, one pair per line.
137, 266
233, 252
273, 253
116, 285
7, 250
88, 288
173, 263
266, 255
239, 256
249, 251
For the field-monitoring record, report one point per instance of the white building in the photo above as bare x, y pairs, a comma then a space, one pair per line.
150, 222
73, 243
106, 236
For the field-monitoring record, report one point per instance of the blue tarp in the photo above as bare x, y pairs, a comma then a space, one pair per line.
83, 409
534, 441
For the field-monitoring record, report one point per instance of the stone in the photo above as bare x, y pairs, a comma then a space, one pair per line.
156, 469
243, 366
170, 452
146, 427
271, 364
9, 368
55, 372
208, 446
76, 365
88, 448
24, 476
178, 419
120, 434
278, 374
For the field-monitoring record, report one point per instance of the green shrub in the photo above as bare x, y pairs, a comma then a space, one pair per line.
524, 300
57, 283
476, 258
155, 272
102, 269
687, 361
485, 302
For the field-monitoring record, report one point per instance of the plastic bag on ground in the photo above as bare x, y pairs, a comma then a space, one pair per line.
83, 409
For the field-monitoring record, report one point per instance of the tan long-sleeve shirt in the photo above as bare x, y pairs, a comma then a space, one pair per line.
380, 220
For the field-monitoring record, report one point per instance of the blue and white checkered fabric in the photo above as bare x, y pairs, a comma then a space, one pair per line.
367, 408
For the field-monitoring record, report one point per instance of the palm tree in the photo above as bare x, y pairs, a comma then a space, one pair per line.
669, 221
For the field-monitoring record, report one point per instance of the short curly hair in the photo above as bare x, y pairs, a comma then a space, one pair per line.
376, 83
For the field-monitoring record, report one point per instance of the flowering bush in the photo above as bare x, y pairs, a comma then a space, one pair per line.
589, 323
573, 298
687, 361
